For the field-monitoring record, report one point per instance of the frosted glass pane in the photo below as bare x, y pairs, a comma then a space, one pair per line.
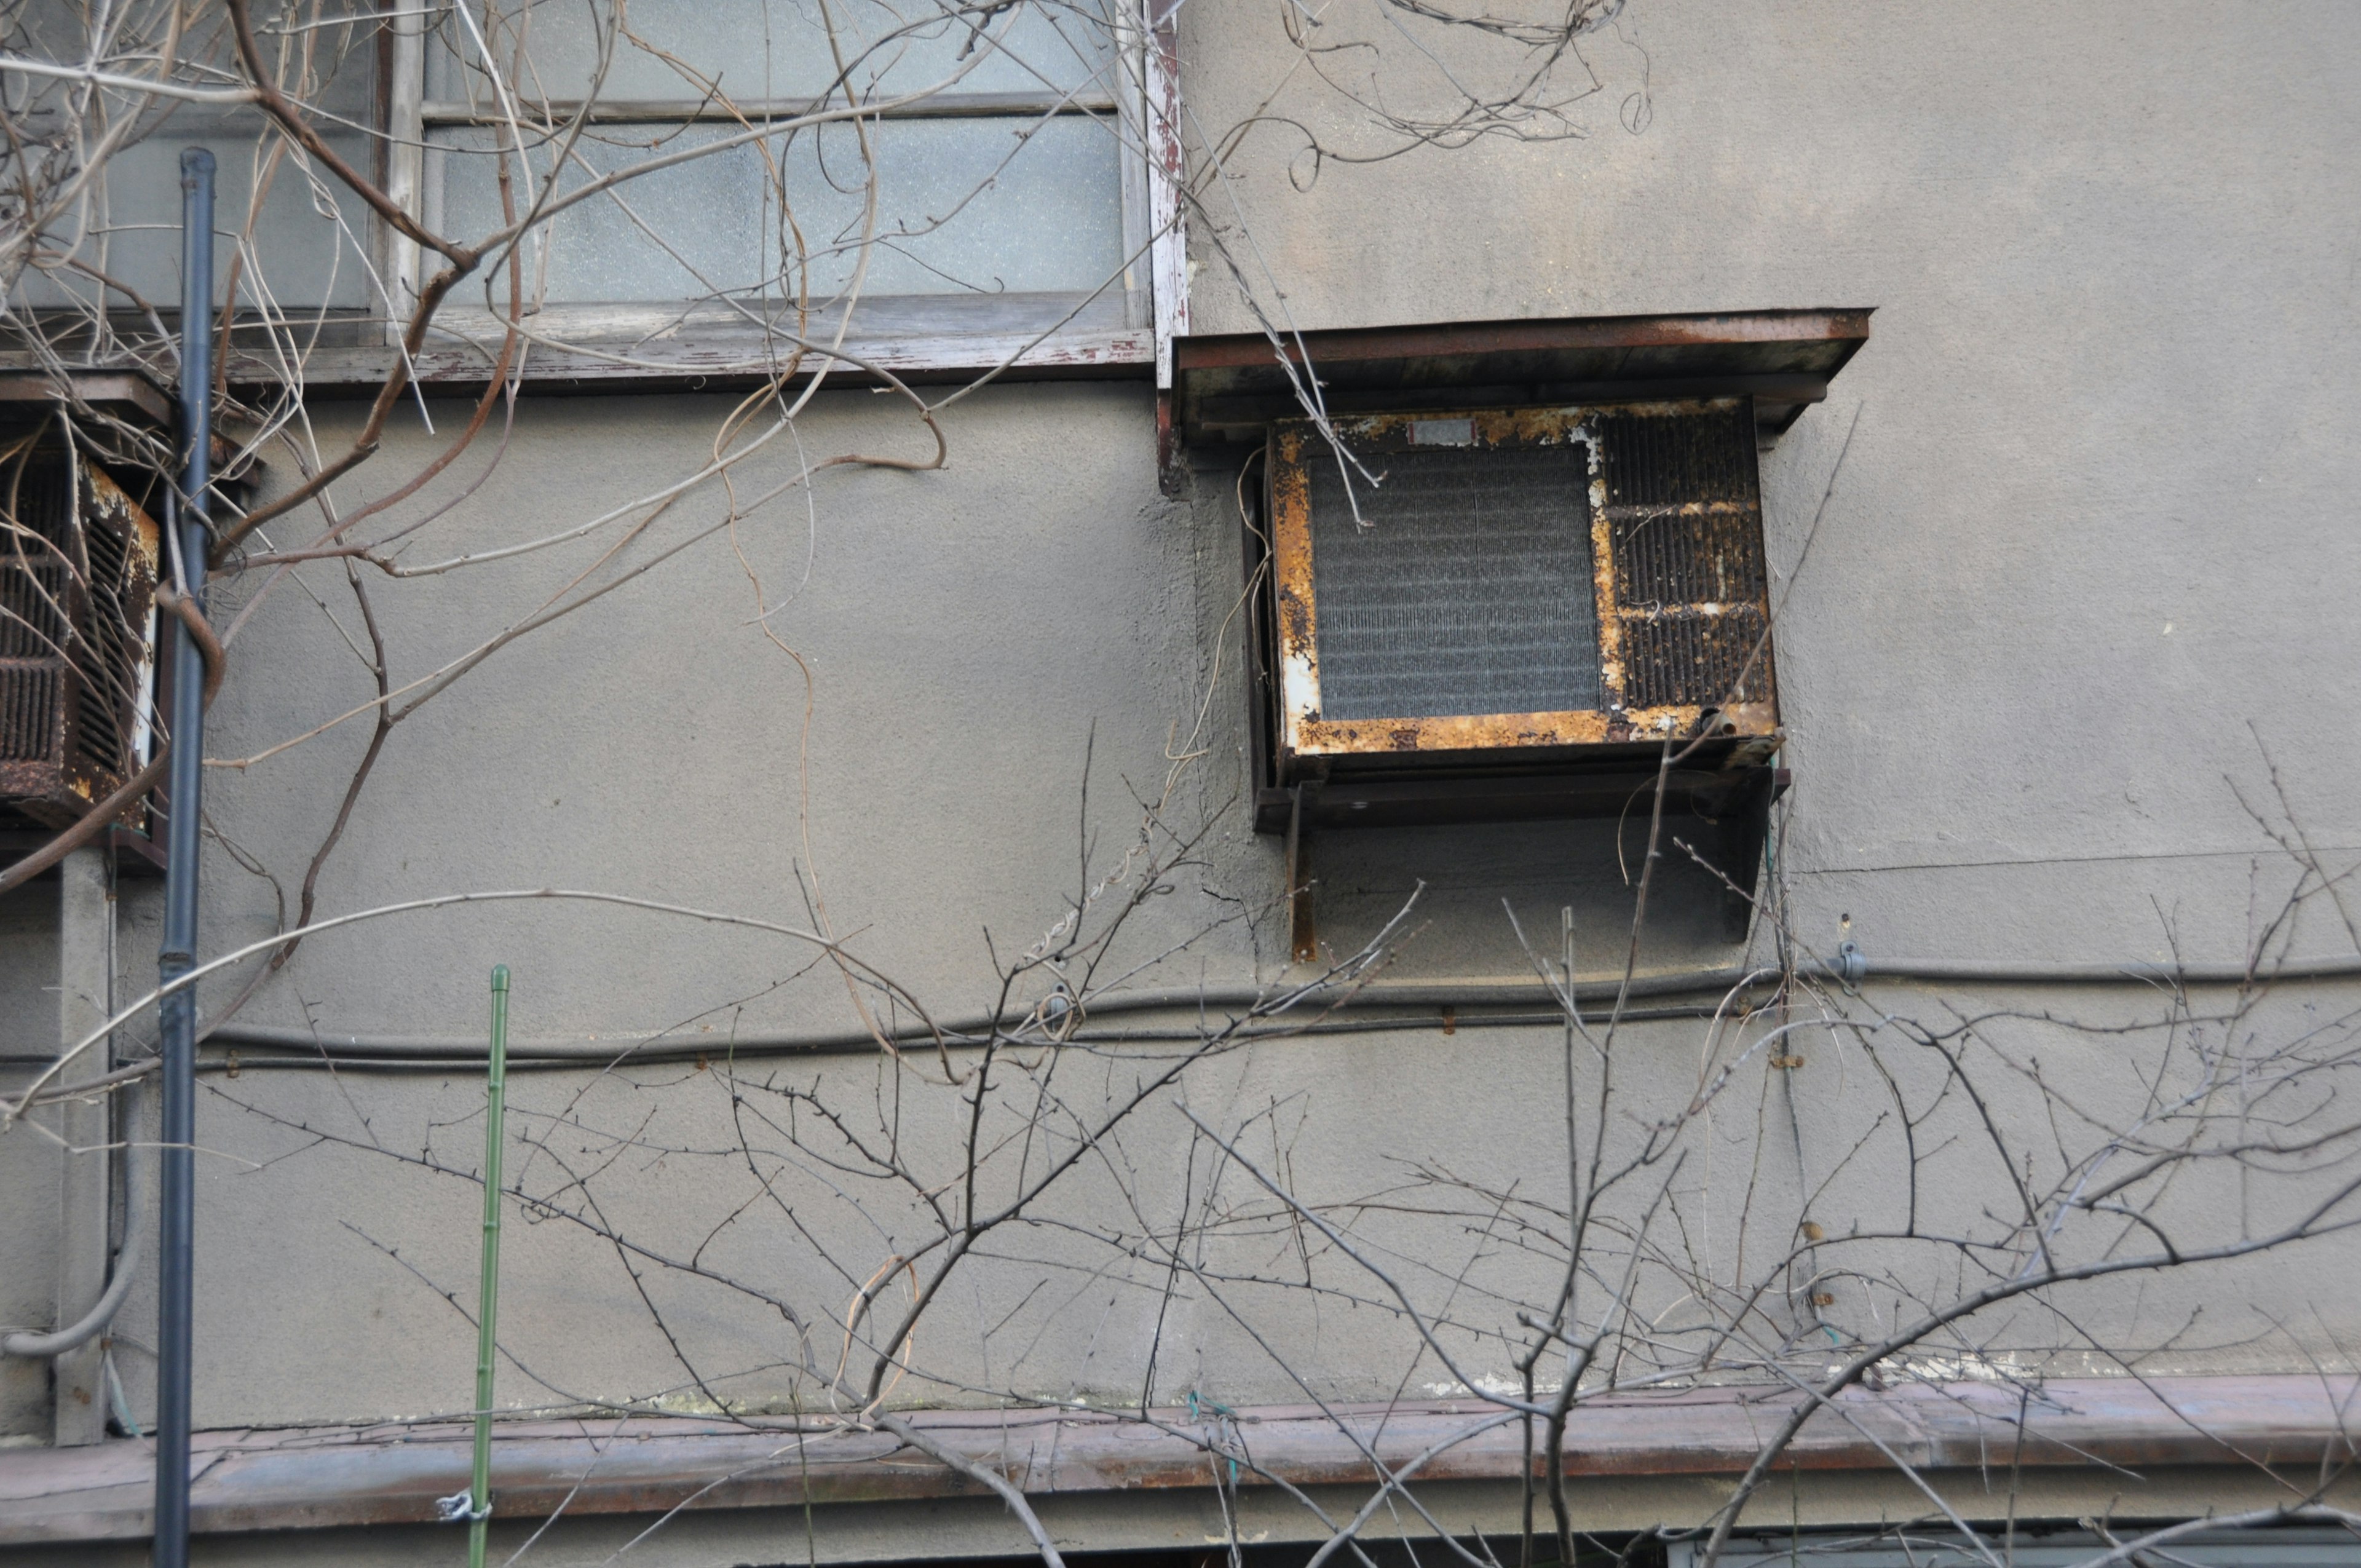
768, 48
133, 225
331, 64
1050, 220
303, 258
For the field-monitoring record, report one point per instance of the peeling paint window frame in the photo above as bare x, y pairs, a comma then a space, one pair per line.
1116, 327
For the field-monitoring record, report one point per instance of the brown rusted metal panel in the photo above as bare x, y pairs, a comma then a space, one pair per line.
1171, 471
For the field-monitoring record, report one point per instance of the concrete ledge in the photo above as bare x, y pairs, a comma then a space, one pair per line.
324, 1478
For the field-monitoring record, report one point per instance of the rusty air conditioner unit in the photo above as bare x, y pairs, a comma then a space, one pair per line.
1521, 581
1515, 568
77, 563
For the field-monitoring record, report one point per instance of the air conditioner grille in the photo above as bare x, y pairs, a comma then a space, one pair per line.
1704, 553
1686, 516
1684, 659
36, 608
35, 580
1465, 588
29, 713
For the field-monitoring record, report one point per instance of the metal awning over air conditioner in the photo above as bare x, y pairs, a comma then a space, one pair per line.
1231, 387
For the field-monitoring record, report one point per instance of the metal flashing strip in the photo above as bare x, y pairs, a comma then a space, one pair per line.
391, 1474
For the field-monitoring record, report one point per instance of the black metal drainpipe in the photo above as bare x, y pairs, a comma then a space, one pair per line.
175, 1273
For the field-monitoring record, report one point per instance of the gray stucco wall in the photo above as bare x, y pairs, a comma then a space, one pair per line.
29, 1164
2089, 553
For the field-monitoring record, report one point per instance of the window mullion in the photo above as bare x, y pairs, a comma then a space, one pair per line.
1130, 67
405, 161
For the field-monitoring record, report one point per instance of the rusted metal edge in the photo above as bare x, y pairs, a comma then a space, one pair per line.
330, 1477
1232, 381
1541, 334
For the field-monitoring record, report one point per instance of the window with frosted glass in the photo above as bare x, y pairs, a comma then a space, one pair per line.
995, 165
115, 237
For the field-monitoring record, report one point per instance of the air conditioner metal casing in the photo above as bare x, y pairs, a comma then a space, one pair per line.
78, 565
1672, 593
1594, 575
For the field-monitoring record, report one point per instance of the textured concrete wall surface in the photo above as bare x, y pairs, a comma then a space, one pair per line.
2065, 567
28, 1166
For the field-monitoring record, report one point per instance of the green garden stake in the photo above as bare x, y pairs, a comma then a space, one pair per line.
479, 1500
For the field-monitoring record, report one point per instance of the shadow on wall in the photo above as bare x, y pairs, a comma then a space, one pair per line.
1461, 928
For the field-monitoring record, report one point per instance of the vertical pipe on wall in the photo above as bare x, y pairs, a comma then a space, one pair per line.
85, 960
479, 1503
175, 1271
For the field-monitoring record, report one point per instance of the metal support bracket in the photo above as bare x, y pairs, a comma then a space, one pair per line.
1745, 832
1303, 932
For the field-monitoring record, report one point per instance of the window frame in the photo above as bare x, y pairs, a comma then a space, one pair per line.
1125, 329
